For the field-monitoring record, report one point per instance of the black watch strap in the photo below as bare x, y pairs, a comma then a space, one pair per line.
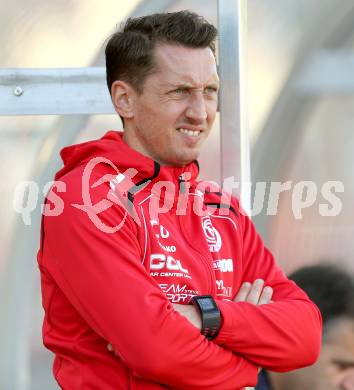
210, 313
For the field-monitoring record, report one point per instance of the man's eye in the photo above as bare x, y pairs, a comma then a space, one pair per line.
179, 91
211, 90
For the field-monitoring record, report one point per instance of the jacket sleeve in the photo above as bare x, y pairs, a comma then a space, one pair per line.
280, 336
102, 276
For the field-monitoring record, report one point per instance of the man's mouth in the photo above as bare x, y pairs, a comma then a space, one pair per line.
191, 133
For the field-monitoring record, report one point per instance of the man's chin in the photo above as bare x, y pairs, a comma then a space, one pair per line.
188, 157
180, 161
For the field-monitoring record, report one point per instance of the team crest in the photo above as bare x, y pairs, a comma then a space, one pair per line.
211, 234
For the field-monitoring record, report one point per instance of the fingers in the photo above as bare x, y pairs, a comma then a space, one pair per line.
255, 293
266, 296
243, 292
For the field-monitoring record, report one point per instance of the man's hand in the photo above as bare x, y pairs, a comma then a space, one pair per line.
255, 293
191, 313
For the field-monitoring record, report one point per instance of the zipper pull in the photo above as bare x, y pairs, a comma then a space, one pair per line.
182, 185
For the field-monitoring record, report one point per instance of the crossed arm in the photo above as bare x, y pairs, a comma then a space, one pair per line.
282, 334
255, 293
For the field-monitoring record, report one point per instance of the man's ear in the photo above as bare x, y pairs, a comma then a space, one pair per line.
122, 98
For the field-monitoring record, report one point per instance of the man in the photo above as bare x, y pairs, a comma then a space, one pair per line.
332, 289
139, 239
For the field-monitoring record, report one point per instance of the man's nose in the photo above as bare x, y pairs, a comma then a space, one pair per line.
196, 110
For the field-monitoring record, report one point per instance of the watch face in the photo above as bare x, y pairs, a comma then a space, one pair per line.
206, 304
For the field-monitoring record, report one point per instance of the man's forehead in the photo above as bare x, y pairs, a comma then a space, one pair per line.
183, 65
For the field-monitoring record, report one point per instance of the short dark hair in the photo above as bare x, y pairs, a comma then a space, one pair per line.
329, 287
130, 51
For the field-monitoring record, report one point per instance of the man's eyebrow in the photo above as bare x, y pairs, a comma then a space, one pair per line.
180, 85
343, 362
191, 86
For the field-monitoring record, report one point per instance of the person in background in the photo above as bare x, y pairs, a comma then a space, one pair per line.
332, 289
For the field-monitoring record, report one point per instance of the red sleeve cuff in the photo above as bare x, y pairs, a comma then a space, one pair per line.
227, 322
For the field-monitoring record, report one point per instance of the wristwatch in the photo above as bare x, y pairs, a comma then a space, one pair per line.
210, 313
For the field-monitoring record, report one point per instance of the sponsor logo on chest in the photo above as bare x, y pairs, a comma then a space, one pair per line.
222, 290
223, 265
161, 233
212, 235
178, 293
163, 265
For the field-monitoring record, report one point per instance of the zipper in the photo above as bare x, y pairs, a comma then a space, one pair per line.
207, 263
181, 183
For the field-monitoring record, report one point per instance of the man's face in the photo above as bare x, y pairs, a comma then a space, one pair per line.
338, 354
335, 367
174, 114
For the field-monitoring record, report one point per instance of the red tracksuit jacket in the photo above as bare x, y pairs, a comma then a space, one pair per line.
110, 276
